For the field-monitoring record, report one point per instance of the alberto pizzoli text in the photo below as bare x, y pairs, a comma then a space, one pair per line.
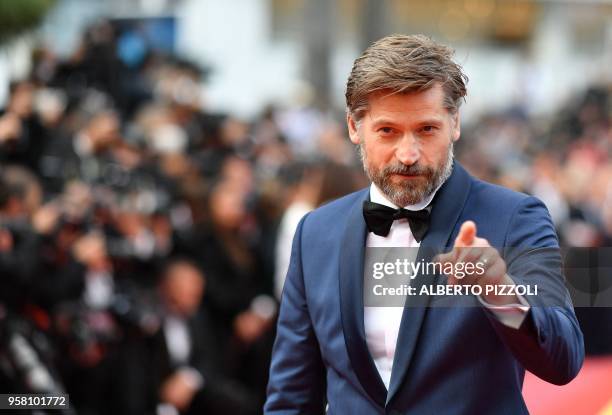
444, 290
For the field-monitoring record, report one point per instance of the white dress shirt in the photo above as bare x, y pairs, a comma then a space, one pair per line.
178, 343
382, 323
178, 339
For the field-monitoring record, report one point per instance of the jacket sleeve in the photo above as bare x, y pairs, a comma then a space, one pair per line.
297, 374
549, 343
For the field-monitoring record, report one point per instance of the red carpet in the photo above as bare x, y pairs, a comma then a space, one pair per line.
589, 394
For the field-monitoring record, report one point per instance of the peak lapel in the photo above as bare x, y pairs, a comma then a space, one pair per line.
447, 208
351, 302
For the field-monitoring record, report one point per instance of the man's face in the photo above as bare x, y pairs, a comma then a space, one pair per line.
183, 289
406, 143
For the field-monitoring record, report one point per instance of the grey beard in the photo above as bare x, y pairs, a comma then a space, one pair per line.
405, 196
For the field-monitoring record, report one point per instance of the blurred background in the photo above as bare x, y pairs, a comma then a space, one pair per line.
156, 156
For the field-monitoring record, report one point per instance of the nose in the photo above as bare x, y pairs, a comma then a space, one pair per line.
408, 150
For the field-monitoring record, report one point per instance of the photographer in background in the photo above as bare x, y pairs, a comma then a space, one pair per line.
26, 352
22, 136
19, 200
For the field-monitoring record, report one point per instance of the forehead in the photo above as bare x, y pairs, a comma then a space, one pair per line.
182, 273
407, 106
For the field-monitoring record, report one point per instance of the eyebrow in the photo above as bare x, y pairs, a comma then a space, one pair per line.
383, 121
430, 121
387, 121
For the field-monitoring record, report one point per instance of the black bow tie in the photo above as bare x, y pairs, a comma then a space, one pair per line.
379, 219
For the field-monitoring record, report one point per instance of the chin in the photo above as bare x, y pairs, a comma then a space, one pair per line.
402, 199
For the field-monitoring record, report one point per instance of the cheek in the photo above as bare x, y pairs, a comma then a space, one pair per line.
378, 152
436, 151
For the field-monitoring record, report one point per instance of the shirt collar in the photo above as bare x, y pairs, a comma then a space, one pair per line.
377, 196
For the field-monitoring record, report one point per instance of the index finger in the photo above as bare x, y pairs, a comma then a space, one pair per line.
466, 235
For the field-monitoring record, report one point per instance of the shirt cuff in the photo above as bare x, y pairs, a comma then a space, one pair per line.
510, 315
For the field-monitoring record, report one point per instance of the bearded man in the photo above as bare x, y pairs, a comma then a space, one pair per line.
339, 351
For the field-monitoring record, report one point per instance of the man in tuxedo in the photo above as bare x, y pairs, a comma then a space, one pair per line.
183, 363
335, 350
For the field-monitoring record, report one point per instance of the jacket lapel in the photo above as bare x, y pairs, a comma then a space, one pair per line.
447, 207
351, 302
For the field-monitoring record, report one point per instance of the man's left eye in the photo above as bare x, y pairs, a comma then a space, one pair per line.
429, 128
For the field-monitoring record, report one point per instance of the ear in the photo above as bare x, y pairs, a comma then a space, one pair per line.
455, 126
352, 129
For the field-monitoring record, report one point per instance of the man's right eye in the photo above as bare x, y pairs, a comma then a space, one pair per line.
385, 130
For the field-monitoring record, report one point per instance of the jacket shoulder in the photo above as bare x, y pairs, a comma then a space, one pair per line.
510, 218
499, 198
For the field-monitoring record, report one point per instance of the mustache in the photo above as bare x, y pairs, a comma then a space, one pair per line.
413, 170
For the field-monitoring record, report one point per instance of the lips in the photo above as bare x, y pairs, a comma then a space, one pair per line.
407, 176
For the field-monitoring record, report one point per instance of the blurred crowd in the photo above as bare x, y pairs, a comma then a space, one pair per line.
144, 239
138, 231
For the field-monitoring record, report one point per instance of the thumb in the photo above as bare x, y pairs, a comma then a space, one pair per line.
467, 233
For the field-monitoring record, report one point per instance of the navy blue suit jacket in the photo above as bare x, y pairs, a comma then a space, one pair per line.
447, 360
